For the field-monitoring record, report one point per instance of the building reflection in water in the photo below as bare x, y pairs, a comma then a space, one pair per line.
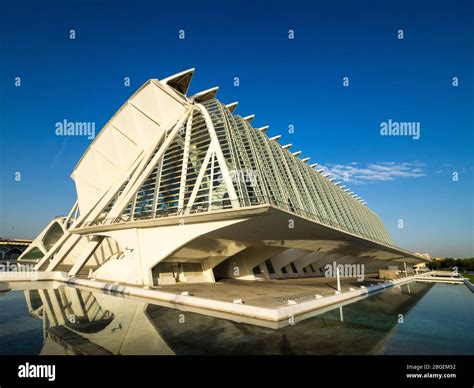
79, 321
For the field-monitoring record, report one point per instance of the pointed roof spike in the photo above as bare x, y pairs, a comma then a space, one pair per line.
305, 159
343, 186
338, 183
296, 153
205, 94
320, 170
232, 106
346, 190
180, 81
313, 165
326, 175
287, 146
332, 179
275, 137
264, 129
249, 118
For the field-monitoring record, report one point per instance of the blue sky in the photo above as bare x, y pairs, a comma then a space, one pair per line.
283, 82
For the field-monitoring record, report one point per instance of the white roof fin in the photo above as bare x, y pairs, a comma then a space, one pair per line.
249, 118
180, 81
232, 106
205, 95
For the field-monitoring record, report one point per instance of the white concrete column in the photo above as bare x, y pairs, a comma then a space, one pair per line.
246, 260
89, 250
284, 258
147, 247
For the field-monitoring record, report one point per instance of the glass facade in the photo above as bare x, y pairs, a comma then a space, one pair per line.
219, 161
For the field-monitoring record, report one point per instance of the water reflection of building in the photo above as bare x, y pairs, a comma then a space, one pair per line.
81, 322
77, 321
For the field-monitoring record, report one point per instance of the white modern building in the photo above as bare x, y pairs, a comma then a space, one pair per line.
179, 188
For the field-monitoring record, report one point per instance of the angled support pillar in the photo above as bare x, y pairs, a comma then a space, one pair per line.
241, 265
184, 167
54, 249
323, 258
92, 245
77, 303
200, 177
71, 215
141, 174
47, 308
305, 261
57, 306
64, 250
286, 257
220, 158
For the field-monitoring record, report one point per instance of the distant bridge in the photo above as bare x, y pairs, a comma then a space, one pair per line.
11, 249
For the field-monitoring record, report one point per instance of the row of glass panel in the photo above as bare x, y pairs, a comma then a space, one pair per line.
262, 172
278, 177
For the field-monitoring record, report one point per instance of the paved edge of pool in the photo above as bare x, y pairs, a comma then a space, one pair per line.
469, 284
4, 287
277, 314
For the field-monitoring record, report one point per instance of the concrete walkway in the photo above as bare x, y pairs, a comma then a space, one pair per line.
267, 293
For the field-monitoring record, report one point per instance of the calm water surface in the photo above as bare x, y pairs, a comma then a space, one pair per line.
418, 318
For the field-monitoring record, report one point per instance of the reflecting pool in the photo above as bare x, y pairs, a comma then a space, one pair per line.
416, 318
